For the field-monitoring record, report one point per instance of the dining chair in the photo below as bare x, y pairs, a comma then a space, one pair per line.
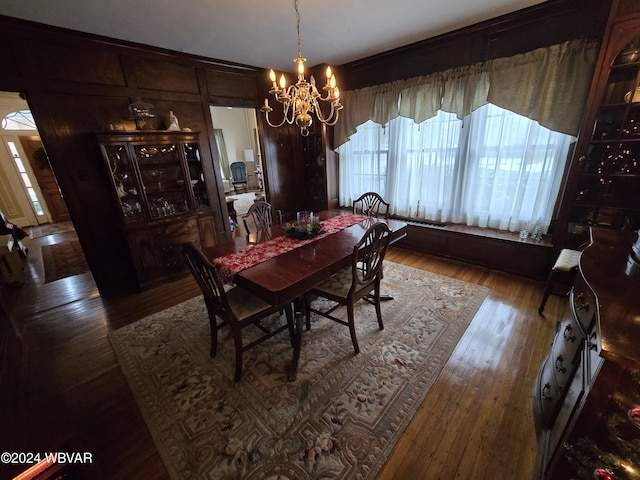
239, 176
562, 274
355, 282
371, 204
260, 215
236, 307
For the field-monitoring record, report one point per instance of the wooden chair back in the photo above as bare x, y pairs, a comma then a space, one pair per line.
371, 204
368, 255
205, 274
260, 215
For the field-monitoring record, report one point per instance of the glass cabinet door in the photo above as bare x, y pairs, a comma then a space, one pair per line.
124, 183
608, 177
196, 175
163, 179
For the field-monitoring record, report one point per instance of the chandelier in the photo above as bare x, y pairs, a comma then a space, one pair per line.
299, 101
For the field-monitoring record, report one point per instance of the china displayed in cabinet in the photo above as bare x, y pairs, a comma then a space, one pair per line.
160, 190
606, 177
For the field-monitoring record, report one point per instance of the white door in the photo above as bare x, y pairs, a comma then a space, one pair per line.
21, 199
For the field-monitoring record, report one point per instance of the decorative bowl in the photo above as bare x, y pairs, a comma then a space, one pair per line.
303, 231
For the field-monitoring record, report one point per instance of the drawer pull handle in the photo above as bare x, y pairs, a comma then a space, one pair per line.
546, 392
568, 334
583, 305
559, 364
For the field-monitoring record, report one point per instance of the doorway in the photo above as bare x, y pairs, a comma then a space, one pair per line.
30, 195
236, 131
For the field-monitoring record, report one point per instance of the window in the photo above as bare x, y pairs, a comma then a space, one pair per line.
493, 169
20, 120
33, 196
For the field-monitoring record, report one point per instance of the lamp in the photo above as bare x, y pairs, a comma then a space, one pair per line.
299, 101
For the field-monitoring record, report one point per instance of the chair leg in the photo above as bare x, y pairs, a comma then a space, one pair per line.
214, 338
289, 314
213, 322
547, 291
352, 327
237, 340
377, 299
307, 308
544, 300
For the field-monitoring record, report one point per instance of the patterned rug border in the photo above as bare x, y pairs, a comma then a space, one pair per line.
410, 399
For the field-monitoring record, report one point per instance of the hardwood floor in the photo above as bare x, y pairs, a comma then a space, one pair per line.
61, 388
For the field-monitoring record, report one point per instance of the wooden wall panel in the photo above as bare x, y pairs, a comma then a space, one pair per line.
54, 61
82, 176
222, 83
563, 23
165, 76
8, 59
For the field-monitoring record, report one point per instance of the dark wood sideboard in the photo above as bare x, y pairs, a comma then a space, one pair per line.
589, 384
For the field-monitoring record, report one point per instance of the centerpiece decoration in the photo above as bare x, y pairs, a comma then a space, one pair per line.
307, 226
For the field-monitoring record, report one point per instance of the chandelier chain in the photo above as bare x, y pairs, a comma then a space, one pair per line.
298, 23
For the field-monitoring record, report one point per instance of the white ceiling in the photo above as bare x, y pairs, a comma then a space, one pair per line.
262, 33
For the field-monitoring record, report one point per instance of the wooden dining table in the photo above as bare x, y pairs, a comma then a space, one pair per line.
286, 277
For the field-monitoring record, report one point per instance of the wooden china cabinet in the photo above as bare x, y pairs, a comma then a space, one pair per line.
160, 189
604, 180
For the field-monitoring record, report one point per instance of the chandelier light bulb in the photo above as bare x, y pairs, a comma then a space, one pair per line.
329, 74
283, 82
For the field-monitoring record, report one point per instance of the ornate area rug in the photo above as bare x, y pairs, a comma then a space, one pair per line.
50, 229
63, 260
342, 416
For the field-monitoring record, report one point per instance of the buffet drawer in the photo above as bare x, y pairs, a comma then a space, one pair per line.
583, 303
176, 229
565, 351
548, 394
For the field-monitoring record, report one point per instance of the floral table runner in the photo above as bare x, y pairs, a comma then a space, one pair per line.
231, 264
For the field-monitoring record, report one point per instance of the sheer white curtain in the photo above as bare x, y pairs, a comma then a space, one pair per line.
492, 169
